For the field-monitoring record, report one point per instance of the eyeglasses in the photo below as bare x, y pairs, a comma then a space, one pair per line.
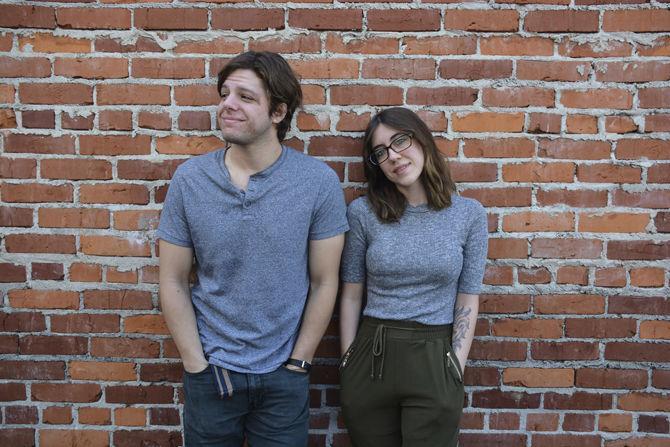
381, 153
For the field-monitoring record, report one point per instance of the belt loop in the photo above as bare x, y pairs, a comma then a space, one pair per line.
223, 383
378, 347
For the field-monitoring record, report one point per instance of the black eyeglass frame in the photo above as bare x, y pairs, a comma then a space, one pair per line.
372, 159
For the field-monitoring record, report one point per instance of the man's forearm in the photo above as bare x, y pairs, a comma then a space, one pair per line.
319, 309
180, 318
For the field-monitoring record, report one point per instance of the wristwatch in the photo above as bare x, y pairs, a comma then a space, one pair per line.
299, 363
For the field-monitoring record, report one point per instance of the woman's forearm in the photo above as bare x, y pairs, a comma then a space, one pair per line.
465, 320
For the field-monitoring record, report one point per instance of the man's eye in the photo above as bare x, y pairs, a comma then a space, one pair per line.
247, 98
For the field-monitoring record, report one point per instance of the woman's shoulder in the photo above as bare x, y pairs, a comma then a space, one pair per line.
465, 206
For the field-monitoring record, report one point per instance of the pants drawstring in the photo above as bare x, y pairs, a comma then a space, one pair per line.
378, 347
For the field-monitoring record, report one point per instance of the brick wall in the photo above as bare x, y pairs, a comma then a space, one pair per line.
555, 115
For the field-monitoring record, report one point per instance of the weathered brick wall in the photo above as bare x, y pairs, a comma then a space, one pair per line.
555, 115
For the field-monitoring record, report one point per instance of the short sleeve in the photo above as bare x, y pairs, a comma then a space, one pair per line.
474, 253
330, 215
355, 246
173, 226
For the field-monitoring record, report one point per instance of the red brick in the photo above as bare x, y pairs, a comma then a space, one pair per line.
146, 324
50, 94
644, 402
636, 149
561, 21
585, 124
313, 121
247, 19
647, 277
637, 352
95, 416
8, 119
133, 94
40, 243
658, 173
85, 323
57, 415
507, 248
648, 20
182, 68
16, 168
338, 146
117, 299
573, 350
502, 197
158, 121
115, 246
488, 122
140, 44
124, 347
372, 95
498, 350
553, 70
654, 98
518, 97
53, 345
75, 169
448, 96
404, 20
639, 249
129, 438
542, 422
620, 124
87, 18
169, 19
21, 415
196, 95
26, 16
161, 372
505, 399
489, 439
115, 120
114, 193
535, 328
539, 377
475, 69
32, 370
516, 46
441, 45
550, 440
566, 248
38, 119
25, 67
114, 145
598, 48
607, 173
85, 272
643, 71
544, 123
150, 394
176, 144
638, 305
35, 193
536, 172
22, 322
530, 221
12, 391
575, 198
504, 304
397, 69
39, 144
481, 20
48, 43
323, 19
498, 275
611, 378
473, 172
97, 68
600, 327
538, 275
102, 371
604, 98
615, 422
55, 438
47, 271
569, 304
141, 220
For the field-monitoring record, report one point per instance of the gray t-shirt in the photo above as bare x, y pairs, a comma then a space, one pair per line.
251, 251
414, 268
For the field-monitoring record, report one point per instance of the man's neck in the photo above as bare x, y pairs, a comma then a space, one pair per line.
243, 161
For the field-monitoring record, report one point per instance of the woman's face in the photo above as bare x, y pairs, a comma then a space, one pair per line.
404, 168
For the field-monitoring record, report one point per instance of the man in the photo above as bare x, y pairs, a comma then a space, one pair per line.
265, 224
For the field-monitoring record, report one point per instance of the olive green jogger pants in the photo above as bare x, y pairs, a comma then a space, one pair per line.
401, 386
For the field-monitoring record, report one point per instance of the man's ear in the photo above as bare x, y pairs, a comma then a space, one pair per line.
279, 113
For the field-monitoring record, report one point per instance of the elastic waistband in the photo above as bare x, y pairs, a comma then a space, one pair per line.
409, 330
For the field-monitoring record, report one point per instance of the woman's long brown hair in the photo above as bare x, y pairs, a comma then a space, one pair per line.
387, 201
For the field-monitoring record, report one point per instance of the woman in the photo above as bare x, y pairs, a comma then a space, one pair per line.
418, 250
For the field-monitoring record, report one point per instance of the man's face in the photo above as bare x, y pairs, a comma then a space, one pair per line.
243, 113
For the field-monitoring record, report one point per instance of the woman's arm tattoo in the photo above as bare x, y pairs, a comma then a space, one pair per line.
461, 326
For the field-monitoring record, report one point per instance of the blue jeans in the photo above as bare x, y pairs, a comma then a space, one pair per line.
269, 410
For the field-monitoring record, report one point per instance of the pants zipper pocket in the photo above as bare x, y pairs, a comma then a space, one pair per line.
347, 354
453, 363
